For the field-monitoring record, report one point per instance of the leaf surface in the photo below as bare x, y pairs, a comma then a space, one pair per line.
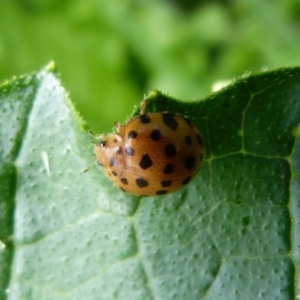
232, 233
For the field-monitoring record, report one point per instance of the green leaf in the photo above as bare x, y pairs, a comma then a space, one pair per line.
232, 233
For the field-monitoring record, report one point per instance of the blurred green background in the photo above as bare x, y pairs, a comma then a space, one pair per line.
109, 53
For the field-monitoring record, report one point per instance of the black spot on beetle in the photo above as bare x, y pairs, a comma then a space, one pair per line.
112, 162
186, 180
102, 144
188, 140
161, 192
155, 135
170, 150
199, 139
114, 173
129, 151
188, 122
169, 169
141, 182
132, 134
169, 121
189, 162
124, 180
166, 183
145, 119
145, 162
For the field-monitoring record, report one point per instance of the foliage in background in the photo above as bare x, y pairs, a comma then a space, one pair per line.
111, 52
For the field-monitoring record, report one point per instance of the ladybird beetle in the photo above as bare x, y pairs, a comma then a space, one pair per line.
152, 154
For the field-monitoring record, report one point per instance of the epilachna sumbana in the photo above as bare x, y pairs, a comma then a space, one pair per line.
152, 154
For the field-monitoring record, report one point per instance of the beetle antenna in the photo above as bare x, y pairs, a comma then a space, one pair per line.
91, 165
